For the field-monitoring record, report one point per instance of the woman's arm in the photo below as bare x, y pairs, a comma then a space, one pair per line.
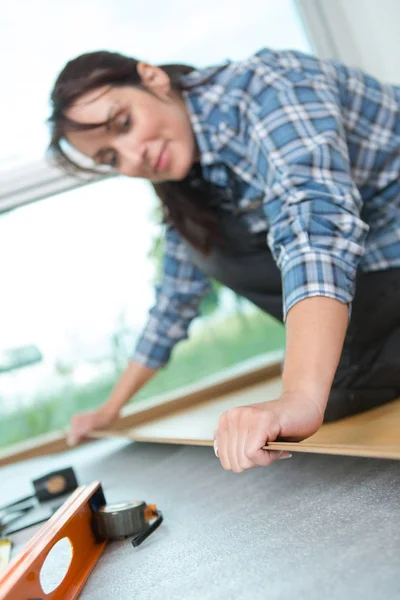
178, 299
315, 331
132, 380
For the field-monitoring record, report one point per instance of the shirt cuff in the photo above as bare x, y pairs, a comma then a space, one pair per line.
316, 274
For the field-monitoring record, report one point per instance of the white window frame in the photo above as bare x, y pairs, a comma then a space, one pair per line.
36, 180
362, 33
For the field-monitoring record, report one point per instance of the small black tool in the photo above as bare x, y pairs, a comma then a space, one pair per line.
54, 484
49, 486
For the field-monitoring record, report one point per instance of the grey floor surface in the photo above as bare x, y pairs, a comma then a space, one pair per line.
312, 527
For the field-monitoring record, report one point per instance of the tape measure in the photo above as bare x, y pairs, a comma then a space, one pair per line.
123, 519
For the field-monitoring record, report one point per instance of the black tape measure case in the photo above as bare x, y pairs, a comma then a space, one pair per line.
123, 519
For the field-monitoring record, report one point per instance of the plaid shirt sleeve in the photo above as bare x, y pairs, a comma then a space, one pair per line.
178, 298
298, 156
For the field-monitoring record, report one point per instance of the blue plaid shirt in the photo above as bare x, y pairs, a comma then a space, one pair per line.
316, 148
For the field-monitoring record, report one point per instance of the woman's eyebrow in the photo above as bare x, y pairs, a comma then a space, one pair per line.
107, 123
111, 116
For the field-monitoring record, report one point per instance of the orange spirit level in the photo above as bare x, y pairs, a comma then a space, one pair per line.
87, 522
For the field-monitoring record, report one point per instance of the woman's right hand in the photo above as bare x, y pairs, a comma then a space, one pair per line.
132, 380
83, 423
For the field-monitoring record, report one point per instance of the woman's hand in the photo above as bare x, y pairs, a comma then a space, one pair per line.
243, 431
83, 423
132, 380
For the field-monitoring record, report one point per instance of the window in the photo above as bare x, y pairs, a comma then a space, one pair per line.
77, 279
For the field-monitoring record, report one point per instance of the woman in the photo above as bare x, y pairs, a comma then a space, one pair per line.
279, 176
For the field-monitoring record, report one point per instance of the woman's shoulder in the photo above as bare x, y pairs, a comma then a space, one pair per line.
226, 96
262, 69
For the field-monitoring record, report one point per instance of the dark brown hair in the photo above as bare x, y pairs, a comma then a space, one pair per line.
186, 203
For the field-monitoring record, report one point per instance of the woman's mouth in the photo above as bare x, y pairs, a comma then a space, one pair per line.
163, 159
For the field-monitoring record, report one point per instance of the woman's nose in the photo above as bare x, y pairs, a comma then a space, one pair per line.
131, 156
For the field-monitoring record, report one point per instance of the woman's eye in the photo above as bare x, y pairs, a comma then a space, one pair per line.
125, 123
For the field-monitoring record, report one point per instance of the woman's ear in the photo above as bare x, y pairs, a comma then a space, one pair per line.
154, 79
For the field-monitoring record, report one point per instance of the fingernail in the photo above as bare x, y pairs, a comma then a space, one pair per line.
216, 448
285, 455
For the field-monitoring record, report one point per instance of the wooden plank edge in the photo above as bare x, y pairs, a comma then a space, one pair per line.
246, 373
357, 450
50, 443
387, 452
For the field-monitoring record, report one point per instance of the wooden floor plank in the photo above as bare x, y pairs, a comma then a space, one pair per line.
375, 433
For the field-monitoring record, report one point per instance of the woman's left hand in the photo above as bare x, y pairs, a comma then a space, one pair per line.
243, 431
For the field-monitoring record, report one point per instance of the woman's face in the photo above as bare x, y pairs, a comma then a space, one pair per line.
147, 133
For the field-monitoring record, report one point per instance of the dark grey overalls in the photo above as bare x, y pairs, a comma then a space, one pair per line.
369, 368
